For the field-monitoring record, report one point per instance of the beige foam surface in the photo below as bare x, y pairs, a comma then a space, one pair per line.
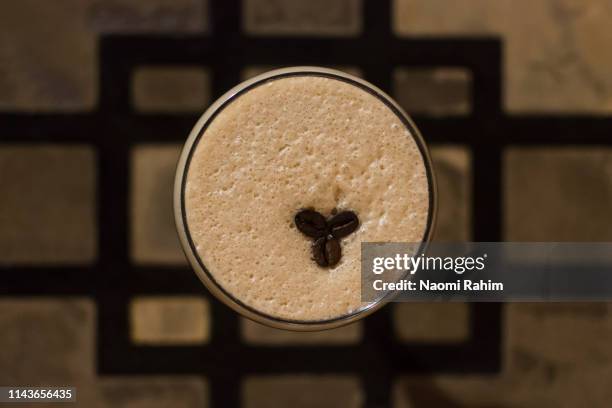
293, 143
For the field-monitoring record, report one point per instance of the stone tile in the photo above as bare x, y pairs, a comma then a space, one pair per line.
560, 335
558, 194
433, 91
61, 72
457, 391
169, 320
153, 392
291, 17
555, 355
48, 209
153, 235
453, 170
431, 322
254, 70
555, 55
170, 89
499, 391
301, 391
413, 17
255, 333
51, 341
129, 16
560, 352
46, 341
48, 59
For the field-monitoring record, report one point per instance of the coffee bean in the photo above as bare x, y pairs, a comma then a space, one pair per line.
343, 224
318, 251
326, 249
333, 252
311, 223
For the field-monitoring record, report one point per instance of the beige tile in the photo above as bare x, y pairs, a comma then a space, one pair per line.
47, 56
437, 17
558, 194
128, 16
301, 391
153, 234
48, 208
433, 322
433, 91
255, 333
314, 17
169, 320
46, 341
254, 70
153, 392
170, 89
453, 170
555, 57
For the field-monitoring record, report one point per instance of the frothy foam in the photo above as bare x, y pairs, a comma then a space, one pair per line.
292, 143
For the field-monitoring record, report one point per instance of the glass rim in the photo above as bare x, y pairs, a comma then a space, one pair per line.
183, 165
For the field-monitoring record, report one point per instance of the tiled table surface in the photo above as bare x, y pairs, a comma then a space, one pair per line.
556, 60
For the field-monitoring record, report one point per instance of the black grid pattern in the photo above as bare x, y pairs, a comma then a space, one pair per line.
114, 128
